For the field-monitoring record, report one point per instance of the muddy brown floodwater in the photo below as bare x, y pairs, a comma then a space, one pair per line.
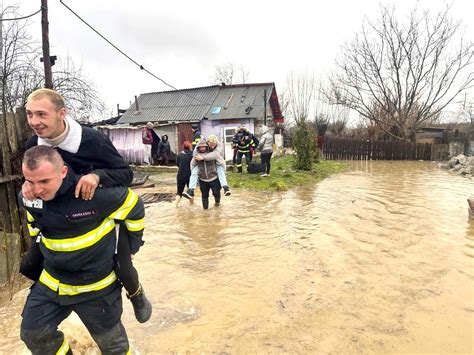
378, 259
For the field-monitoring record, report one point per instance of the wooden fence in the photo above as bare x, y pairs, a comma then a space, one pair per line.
13, 231
351, 149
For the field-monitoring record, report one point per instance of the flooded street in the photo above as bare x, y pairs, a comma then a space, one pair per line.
378, 259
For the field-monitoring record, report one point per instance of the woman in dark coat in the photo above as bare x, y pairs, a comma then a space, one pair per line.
164, 150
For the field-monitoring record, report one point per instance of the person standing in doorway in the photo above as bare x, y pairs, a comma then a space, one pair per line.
164, 150
266, 147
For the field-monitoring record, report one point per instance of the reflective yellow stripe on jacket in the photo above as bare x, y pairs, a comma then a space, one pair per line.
71, 290
32, 230
135, 225
64, 348
29, 217
95, 235
122, 212
82, 241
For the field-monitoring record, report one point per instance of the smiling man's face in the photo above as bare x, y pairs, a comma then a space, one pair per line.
44, 118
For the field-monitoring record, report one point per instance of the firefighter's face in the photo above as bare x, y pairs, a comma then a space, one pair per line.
45, 180
44, 118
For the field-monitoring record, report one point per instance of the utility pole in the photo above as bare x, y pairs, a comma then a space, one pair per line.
48, 76
265, 107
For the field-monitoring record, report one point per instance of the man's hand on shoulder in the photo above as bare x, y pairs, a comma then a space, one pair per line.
86, 186
27, 191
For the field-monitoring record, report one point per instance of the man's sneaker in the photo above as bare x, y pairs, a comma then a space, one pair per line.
264, 175
226, 190
189, 194
141, 305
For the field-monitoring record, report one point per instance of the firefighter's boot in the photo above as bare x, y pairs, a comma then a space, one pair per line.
141, 305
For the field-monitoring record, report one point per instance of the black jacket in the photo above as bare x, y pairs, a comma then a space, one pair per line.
78, 241
164, 146
96, 154
184, 165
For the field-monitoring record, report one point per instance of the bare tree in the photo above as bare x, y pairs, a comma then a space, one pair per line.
80, 94
400, 75
329, 116
21, 72
283, 101
230, 73
300, 88
321, 123
19, 54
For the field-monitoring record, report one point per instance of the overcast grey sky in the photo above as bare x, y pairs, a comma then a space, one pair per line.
182, 41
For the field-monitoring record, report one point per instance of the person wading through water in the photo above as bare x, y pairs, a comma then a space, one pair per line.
79, 147
77, 238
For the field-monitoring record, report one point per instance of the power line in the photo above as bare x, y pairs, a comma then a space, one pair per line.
128, 57
19, 18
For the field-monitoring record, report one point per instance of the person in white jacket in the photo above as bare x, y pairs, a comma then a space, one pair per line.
266, 147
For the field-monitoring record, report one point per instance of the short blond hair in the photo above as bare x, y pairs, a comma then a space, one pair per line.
52, 95
212, 139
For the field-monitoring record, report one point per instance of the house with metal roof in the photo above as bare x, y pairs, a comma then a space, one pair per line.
219, 109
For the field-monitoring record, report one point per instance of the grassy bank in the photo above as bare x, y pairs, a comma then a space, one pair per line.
283, 176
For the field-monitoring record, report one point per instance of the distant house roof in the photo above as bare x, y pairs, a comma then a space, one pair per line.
244, 101
179, 105
213, 102
109, 121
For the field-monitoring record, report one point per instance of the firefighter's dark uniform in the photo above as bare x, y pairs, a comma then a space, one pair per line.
197, 136
244, 142
78, 241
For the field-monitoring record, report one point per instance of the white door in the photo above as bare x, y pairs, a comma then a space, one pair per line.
228, 133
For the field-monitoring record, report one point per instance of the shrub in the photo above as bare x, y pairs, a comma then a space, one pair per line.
304, 145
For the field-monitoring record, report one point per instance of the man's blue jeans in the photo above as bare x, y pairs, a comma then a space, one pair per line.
193, 180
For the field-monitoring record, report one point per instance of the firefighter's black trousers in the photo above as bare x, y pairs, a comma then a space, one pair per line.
101, 316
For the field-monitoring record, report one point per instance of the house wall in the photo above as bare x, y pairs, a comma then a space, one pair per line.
209, 127
217, 127
128, 142
184, 133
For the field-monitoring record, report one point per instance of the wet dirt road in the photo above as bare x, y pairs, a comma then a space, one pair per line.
378, 259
